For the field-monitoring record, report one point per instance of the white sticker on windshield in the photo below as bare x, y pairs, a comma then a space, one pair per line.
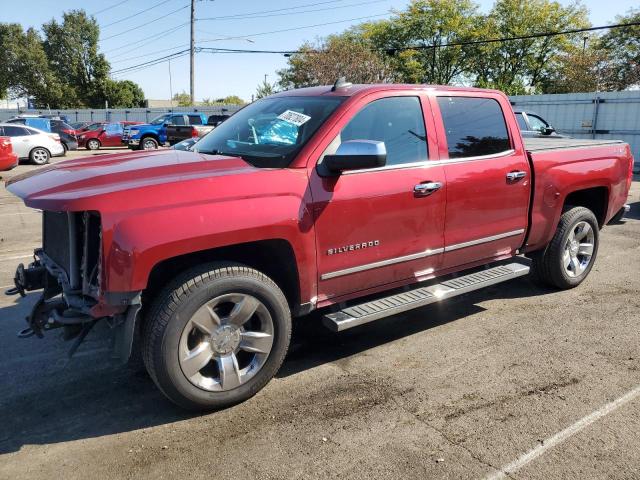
294, 117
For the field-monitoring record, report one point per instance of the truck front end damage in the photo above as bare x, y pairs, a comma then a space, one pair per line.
68, 270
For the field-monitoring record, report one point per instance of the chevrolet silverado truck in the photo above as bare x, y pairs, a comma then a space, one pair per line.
355, 201
150, 136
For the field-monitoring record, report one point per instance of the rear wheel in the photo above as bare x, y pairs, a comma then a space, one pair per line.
93, 144
570, 255
39, 155
148, 143
216, 335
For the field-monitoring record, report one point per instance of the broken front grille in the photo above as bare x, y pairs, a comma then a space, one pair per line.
73, 242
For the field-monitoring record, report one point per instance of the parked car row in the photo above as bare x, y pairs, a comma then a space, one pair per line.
50, 125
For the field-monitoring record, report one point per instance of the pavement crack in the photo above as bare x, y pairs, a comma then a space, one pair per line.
448, 438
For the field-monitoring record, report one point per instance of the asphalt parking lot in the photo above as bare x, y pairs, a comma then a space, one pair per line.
513, 381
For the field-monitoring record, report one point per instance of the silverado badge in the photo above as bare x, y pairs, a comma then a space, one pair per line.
355, 246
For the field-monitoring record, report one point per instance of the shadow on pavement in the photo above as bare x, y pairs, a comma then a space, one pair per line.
90, 399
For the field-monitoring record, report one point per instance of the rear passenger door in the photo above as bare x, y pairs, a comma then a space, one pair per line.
488, 178
20, 139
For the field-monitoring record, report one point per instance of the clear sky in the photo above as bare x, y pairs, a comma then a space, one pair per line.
128, 35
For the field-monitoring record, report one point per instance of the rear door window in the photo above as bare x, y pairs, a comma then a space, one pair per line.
195, 120
15, 131
474, 126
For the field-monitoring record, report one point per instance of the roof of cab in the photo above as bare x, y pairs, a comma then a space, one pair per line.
351, 90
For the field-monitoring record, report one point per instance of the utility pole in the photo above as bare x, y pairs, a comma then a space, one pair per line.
193, 50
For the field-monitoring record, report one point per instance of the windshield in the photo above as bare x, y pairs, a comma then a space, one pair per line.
270, 132
159, 120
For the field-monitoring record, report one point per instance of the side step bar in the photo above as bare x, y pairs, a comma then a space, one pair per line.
355, 315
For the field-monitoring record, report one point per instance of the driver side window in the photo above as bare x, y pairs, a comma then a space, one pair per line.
396, 121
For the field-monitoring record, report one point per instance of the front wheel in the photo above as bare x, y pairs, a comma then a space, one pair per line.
148, 143
570, 255
216, 335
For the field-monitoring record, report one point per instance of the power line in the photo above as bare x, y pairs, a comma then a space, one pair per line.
151, 62
509, 39
134, 14
109, 8
271, 11
144, 24
145, 41
291, 29
248, 17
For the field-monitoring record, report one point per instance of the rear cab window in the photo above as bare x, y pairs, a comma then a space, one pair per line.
195, 120
474, 127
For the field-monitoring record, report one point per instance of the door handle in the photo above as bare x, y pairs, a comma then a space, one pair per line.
427, 188
513, 176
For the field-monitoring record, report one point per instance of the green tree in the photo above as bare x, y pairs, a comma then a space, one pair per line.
414, 39
347, 55
621, 48
72, 51
514, 65
265, 89
123, 94
24, 68
183, 99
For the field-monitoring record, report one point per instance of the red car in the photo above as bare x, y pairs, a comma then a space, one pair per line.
8, 159
358, 201
99, 135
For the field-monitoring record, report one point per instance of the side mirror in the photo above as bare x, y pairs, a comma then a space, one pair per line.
354, 155
548, 130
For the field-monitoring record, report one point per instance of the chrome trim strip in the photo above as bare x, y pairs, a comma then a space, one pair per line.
415, 256
381, 263
478, 241
430, 163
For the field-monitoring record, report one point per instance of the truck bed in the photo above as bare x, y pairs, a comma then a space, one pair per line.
537, 144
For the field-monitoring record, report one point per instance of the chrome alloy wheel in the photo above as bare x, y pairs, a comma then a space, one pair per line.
226, 342
149, 145
578, 249
40, 156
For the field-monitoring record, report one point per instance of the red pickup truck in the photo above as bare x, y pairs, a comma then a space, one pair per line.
360, 201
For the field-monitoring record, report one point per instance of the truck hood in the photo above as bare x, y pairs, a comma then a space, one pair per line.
67, 185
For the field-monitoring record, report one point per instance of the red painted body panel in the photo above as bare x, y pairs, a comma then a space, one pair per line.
161, 204
8, 159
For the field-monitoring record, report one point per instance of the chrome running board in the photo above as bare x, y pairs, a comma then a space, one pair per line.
366, 312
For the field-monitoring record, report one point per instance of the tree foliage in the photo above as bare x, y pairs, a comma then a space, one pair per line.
621, 48
183, 99
265, 89
427, 25
443, 42
347, 55
62, 67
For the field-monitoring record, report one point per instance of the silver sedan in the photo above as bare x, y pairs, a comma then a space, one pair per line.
31, 143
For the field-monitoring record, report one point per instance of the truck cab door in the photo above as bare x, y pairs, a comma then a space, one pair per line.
379, 227
488, 178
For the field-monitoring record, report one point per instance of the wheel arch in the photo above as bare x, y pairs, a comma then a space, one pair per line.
595, 199
274, 257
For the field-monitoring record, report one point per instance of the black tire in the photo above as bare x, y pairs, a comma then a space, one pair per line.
173, 308
148, 143
39, 156
93, 144
548, 267
65, 148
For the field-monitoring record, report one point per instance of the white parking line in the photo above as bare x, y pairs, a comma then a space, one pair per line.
563, 435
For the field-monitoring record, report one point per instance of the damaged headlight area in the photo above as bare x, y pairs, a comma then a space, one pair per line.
68, 270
